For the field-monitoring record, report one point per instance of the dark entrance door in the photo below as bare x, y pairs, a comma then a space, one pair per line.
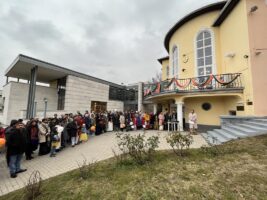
98, 106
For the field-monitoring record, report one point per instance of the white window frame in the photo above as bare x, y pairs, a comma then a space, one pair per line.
175, 62
167, 71
214, 67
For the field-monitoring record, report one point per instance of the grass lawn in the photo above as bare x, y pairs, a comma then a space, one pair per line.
238, 173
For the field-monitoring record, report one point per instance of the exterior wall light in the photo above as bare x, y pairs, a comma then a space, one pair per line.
183, 70
253, 9
245, 56
257, 53
45, 109
230, 55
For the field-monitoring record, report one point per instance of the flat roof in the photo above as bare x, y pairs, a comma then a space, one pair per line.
162, 59
47, 72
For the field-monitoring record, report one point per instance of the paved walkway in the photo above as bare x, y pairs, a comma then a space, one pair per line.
95, 149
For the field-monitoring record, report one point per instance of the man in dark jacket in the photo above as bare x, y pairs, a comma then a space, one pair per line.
72, 129
16, 145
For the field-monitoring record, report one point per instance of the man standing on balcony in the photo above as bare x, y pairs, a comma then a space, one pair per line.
192, 119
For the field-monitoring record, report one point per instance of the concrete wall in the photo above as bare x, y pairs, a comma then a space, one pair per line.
16, 97
80, 92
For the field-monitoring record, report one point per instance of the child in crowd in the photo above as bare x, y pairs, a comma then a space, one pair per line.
83, 135
55, 140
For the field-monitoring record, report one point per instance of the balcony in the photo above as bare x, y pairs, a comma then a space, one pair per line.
202, 84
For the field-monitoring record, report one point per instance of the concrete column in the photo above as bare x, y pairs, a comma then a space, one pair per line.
155, 107
140, 96
7, 80
180, 114
35, 109
31, 94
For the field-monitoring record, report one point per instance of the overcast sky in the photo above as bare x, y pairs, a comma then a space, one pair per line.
116, 40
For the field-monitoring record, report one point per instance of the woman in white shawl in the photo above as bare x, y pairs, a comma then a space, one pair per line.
192, 119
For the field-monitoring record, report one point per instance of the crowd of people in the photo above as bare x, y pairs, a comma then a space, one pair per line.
51, 135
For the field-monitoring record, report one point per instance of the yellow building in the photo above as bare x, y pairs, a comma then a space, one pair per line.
217, 63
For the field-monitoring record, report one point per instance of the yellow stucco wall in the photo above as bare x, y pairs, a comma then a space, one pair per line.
234, 39
219, 106
184, 38
164, 65
233, 36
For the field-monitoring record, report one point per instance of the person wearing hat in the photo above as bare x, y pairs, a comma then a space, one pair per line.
16, 145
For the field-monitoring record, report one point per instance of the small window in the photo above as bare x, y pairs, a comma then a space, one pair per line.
240, 108
249, 103
232, 112
206, 106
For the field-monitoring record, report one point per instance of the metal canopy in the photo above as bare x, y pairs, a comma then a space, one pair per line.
47, 72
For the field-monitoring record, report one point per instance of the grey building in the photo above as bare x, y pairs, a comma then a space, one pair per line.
42, 89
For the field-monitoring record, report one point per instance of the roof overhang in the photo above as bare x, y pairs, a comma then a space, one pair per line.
190, 16
162, 59
229, 6
47, 72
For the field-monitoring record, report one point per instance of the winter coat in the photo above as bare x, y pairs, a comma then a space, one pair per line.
44, 130
122, 119
32, 134
16, 141
72, 129
87, 122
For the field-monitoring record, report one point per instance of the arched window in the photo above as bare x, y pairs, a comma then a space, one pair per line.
167, 71
175, 62
204, 53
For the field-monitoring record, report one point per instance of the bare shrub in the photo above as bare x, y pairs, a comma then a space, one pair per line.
121, 158
179, 142
137, 147
33, 187
86, 169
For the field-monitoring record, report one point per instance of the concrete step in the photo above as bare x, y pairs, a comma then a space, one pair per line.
261, 120
242, 129
258, 124
254, 127
247, 131
249, 128
216, 138
210, 138
225, 134
238, 134
207, 138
